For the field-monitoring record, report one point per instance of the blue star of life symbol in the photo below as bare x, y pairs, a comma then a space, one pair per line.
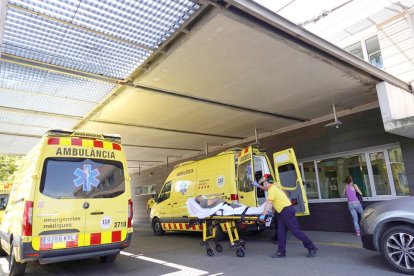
183, 188
86, 177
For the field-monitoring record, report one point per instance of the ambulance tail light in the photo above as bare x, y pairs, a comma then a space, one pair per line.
234, 198
130, 213
27, 219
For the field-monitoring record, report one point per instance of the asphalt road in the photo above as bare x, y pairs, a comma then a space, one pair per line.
180, 254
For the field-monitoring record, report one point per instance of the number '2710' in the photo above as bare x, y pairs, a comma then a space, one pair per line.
120, 224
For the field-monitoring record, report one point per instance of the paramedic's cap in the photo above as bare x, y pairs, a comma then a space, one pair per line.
267, 177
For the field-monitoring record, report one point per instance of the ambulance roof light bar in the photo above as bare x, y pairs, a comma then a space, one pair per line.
84, 134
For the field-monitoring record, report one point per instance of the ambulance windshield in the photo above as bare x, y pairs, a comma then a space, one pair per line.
82, 178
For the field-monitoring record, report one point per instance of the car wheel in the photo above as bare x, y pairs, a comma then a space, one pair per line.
157, 228
108, 258
15, 268
397, 247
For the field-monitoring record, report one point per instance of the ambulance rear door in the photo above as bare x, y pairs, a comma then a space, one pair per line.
58, 210
245, 178
108, 200
287, 173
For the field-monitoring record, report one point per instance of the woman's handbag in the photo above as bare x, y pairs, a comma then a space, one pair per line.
358, 195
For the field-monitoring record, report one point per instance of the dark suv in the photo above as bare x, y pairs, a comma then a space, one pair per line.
388, 227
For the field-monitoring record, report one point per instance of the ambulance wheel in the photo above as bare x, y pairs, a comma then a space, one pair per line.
108, 259
15, 268
210, 252
219, 247
157, 228
240, 252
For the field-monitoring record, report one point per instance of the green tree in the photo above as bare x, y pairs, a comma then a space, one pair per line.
8, 165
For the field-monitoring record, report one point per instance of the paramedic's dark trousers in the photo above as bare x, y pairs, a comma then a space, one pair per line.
287, 220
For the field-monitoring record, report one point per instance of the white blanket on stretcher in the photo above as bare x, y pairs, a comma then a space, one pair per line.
195, 210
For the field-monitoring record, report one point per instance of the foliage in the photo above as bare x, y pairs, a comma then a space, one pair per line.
8, 165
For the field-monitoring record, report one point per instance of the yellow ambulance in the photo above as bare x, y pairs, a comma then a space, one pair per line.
70, 200
5, 189
228, 175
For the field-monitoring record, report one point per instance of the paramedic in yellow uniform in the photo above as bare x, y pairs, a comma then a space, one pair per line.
150, 203
287, 219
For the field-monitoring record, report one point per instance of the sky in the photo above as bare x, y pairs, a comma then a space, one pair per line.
345, 17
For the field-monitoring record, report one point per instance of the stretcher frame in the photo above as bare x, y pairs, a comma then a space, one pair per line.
212, 224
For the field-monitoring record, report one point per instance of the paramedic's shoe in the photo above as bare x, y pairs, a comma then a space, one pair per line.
312, 252
278, 255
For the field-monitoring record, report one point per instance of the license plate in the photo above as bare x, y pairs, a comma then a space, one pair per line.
60, 238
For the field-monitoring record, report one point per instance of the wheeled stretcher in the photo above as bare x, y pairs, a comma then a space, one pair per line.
219, 220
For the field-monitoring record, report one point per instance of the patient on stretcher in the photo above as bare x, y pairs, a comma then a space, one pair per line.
202, 207
212, 202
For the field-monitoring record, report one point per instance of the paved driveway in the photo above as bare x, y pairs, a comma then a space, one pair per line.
180, 254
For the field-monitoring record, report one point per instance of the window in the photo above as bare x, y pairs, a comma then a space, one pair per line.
355, 49
374, 52
334, 171
398, 172
165, 192
82, 178
309, 177
377, 172
145, 190
3, 201
138, 191
368, 50
244, 177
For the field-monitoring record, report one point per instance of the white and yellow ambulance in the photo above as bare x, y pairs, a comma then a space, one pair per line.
70, 200
228, 175
5, 189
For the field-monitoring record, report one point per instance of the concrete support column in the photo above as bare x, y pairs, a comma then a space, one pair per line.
397, 109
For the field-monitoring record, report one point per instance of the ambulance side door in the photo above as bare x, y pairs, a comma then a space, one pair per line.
164, 203
287, 173
183, 189
245, 178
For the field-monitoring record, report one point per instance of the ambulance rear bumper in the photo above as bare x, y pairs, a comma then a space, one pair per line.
70, 254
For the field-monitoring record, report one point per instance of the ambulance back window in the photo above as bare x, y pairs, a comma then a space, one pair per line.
82, 178
3, 201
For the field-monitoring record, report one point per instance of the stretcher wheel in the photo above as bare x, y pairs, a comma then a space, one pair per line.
240, 252
219, 247
210, 252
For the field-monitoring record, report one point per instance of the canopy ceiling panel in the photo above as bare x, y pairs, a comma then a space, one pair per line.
101, 37
39, 81
16, 145
44, 103
157, 110
22, 129
137, 153
33, 119
156, 138
247, 66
